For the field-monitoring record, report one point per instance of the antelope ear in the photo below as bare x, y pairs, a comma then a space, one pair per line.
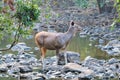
72, 23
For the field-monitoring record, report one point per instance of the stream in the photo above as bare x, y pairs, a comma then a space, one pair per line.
78, 44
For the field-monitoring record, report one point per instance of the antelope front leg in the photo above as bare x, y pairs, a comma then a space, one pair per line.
65, 55
57, 55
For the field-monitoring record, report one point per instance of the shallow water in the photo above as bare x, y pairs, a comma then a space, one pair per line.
82, 45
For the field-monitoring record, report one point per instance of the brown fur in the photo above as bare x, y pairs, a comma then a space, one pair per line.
55, 41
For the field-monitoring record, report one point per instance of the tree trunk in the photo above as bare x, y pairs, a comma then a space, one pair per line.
101, 5
105, 7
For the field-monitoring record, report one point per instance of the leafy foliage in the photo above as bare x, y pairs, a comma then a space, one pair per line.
5, 24
19, 23
86, 3
117, 5
82, 3
117, 19
27, 12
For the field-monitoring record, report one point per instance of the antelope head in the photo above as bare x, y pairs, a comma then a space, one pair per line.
76, 28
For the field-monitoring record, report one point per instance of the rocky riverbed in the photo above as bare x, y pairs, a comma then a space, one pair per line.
27, 66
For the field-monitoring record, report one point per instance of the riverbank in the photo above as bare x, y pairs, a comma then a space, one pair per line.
103, 35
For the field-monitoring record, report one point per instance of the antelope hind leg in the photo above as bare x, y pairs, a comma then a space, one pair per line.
43, 52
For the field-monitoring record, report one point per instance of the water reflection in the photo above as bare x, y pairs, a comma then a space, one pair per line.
77, 44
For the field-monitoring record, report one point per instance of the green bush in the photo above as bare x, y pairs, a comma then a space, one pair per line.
27, 12
18, 23
82, 3
117, 19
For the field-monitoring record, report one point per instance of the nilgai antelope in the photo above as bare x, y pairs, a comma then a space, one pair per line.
55, 41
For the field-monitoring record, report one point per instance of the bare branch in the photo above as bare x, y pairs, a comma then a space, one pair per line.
16, 38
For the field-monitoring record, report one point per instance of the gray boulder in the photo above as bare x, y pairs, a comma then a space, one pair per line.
84, 72
25, 69
3, 68
113, 47
72, 57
